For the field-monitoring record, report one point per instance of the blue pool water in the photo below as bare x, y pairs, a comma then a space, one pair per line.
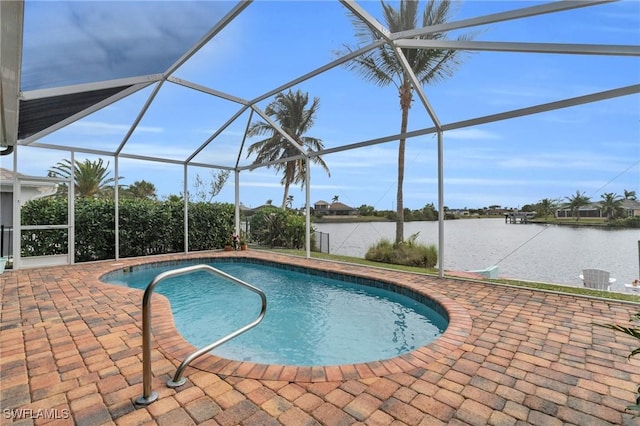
310, 319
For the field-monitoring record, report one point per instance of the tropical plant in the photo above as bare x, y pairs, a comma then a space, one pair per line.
576, 201
366, 210
408, 253
633, 331
611, 205
335, 199
141, 189
630, 195
626, 222
290, 112
91, 178
383, 66
546, 207
275, 227
204, 191
429, 212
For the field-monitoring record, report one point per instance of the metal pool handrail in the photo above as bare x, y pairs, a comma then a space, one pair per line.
148, 395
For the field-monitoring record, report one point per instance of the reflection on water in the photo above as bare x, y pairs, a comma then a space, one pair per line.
310, 319
555, 254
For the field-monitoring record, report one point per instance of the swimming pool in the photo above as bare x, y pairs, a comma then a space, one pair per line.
313, 317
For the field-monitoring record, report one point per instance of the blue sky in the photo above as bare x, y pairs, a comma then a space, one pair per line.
593, 148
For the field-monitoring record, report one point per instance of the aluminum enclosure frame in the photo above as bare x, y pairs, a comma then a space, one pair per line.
11, 43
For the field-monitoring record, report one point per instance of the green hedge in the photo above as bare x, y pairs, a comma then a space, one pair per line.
627, 222
275, 227
146, 227
44, 211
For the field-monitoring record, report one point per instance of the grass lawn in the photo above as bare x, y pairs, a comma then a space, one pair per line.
528, 284
350, 219
584, 221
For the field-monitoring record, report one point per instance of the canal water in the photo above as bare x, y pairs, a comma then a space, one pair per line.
543, 253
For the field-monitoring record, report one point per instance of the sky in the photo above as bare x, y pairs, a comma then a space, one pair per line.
592, 148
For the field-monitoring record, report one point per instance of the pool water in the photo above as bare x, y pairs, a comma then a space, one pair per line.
310, 319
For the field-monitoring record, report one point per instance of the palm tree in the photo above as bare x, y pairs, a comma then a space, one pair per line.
629, 195
383, 67
611, 204
577, 201
335, 199
546, 207
91, 178
289, 111
142, 189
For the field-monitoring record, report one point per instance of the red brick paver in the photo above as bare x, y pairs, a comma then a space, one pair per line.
71, 350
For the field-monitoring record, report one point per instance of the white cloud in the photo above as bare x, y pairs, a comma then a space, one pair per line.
211, 131
362, 158
255, 184
258, 184
521, 92
482, 182
211, 155
616, 29
157, 149
565, 161
336, 187
109, 40
482, 199
471, 134
101, 128
560, 118
142, 166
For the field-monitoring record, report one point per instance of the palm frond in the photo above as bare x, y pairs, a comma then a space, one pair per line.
630, 331
370, 68
295, 117
383, 67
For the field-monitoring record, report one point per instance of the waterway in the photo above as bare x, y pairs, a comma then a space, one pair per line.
533, 252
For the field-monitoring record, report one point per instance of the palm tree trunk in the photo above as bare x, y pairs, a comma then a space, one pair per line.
399, 195
286, 194
406, 94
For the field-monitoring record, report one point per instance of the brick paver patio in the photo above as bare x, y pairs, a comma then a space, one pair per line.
71, 354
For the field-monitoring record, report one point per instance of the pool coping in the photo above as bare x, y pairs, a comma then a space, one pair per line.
171, 343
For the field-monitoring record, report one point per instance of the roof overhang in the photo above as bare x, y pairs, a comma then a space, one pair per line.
11, 23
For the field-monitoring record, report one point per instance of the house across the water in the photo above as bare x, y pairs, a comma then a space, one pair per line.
333, 209
631, 208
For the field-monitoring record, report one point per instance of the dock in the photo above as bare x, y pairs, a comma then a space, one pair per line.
518, 217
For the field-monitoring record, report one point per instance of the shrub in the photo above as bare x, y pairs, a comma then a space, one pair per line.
145, 227
408, 253
627, 222
210, 225
381, 252
94, 229
42, 242
275, 227
633, 332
